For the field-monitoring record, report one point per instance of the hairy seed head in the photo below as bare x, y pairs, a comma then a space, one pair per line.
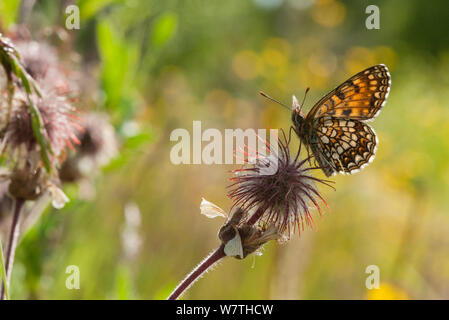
283, 198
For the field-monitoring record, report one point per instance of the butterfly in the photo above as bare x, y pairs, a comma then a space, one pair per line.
335, 129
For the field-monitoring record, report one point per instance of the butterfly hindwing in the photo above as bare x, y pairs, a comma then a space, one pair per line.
360, 97
343, 145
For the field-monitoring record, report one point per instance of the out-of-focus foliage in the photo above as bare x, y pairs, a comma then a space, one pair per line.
8, 11
163, 64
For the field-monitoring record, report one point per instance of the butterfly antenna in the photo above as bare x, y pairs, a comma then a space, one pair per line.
272, 99
305, 95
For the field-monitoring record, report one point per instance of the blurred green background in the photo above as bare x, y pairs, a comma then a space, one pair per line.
159, 65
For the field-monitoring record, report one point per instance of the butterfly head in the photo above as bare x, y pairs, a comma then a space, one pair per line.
297, 108
297, 116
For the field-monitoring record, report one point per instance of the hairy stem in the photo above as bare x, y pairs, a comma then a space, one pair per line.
205, 265
12, 242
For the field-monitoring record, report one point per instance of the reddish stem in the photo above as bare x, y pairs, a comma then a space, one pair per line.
255, 217
207, 263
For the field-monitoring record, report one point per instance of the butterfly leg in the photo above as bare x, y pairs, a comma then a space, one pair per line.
325, 165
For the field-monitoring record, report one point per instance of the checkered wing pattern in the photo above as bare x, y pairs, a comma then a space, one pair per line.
343, 145
361, 97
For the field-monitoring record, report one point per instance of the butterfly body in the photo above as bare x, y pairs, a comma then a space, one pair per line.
335, 129
306, 132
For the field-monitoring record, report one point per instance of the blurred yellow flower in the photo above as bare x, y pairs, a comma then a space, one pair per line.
387, 291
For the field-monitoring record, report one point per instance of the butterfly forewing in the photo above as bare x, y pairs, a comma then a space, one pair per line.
360, 97
347, 145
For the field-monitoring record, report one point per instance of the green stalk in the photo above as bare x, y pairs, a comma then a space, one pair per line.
3, 271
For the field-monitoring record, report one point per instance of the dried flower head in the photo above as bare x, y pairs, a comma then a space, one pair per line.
282, 198
59, 124
29, 183
37, 58
98, 139
26, 183
42, 63
98, 145
241, 239
238, 238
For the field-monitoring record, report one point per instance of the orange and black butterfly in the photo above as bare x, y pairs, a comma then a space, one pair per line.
335, 129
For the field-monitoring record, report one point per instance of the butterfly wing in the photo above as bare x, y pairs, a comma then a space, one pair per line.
360, 97
343, 146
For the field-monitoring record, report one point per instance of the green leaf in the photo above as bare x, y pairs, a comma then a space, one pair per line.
89, 8
37, 125
119, 63
164, 28
124, 285
8, 11
140, 139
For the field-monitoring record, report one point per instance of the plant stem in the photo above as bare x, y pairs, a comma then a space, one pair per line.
205, 265
255, 217
3, 271
12, 242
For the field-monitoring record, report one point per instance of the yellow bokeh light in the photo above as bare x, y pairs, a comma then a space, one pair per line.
322, 63
328, 13
274, 57
306, 78
247, 65
279, 44
220, 101
359, 58
386, 55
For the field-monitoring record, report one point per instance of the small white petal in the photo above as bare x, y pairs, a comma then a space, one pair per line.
59, 198
211, 210
234, 246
